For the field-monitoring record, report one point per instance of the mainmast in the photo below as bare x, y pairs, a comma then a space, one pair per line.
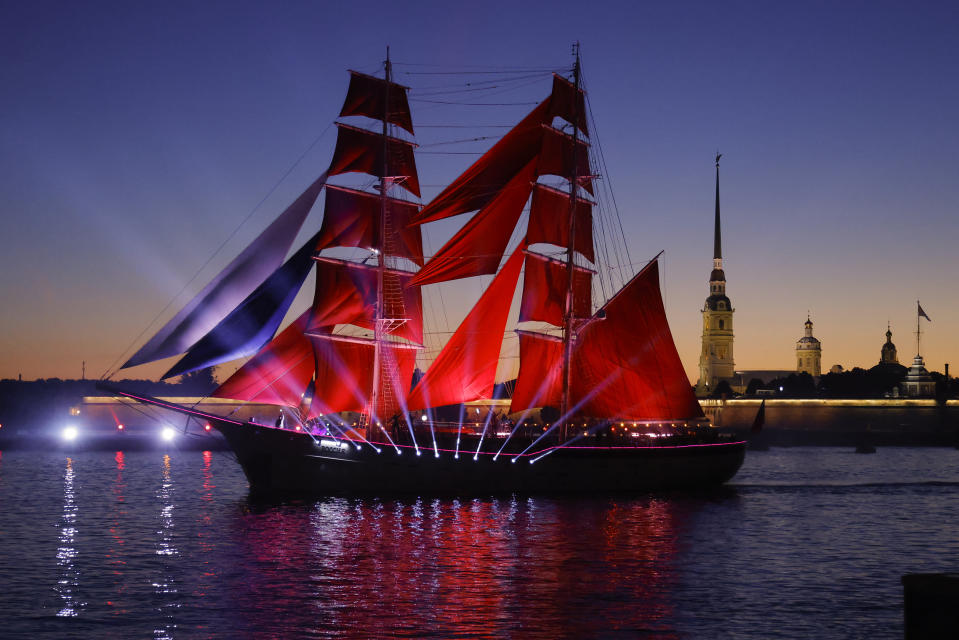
568, 309
378, 320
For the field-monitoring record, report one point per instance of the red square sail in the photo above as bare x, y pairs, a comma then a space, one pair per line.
544, 291
367, 97
549, 220
359, 150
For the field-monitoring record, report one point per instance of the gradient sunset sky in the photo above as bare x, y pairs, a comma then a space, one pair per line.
135, 137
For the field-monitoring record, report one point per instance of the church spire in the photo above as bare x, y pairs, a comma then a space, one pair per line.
718, 237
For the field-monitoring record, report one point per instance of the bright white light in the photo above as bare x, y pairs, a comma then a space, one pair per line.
168, 434
423, 418
69, 433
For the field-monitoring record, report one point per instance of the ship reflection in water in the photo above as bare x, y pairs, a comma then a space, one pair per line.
141, 544
481, 567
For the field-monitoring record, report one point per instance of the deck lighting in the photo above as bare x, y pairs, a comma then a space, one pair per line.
423, 417
168, 434
418, 452
207, 426
69, 433
119, 427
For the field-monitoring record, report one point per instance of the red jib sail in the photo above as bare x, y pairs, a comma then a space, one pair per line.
367, 96
466, 367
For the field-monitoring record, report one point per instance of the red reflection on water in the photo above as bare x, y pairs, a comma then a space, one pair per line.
116, 553
480, 567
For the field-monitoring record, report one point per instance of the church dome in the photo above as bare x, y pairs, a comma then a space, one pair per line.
717, 275
718, 302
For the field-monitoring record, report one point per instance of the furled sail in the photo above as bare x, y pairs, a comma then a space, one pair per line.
251, 324
279, 373
549, 220
477, 248
359, 150
232, 285
465, 369
351, 218
367, 97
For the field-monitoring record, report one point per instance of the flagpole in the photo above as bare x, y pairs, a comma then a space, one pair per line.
918, 330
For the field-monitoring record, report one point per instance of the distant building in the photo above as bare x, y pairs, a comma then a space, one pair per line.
888, 354
808, 353
716, 358
918, 382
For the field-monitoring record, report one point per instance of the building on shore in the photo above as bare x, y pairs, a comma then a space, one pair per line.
889, 355
716, 359
809, 353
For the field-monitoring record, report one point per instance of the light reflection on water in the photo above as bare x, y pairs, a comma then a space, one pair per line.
806, 543
68, 584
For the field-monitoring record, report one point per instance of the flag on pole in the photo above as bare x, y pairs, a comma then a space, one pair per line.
923, 313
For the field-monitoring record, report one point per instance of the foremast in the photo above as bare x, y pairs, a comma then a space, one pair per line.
568, 335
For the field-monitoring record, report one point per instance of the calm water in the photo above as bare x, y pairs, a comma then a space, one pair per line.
805, 543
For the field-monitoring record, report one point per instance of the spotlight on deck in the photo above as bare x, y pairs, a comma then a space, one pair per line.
168, 434
207, 426
69, 433
120, 427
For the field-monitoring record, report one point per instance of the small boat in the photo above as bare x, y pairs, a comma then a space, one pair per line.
600, 401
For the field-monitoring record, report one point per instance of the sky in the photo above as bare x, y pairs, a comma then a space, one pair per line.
136, 137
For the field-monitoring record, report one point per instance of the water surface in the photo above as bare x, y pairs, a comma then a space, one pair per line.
806, 542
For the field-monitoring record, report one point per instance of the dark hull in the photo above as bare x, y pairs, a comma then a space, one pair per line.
286, 461
276, 460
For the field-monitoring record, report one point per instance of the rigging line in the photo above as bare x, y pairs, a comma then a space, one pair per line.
217, 251
461, 141
475, 73
464, 126
602, 159
473, 86
478, 104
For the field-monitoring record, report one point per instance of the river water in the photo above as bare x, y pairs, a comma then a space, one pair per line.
804, 543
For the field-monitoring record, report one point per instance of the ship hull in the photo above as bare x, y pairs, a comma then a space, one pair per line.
284, 461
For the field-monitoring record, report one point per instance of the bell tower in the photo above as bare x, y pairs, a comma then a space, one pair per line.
716, 358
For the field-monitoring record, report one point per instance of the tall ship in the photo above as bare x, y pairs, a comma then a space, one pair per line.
600, 400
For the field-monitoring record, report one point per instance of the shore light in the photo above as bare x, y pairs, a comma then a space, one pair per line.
69, 433
168, 434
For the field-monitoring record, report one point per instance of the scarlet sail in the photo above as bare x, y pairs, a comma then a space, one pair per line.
351, 218
466, 367
367, 96
359, 150
544, 291
476, 249
549, 220
278, 374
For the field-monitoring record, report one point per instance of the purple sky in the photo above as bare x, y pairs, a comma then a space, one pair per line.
134, 138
